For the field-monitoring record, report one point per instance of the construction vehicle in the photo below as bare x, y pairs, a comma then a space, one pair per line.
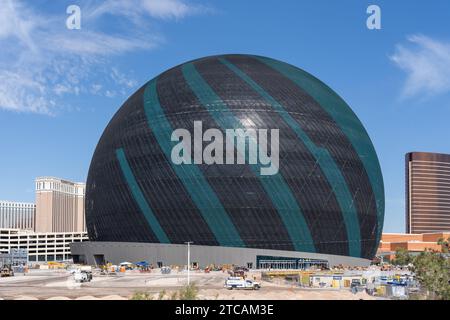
82, 276
7, 271
55, 265
166, 270
237, 272
241, 283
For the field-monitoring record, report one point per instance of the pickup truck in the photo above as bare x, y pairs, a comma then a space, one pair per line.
82, 276
240, 283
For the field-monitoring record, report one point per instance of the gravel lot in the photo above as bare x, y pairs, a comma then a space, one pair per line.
59, 285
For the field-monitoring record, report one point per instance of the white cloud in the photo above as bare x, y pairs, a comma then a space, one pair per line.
19, 89
162, 9
426, 62
61, 89
95, 88
98, 44
120, 78
167, 9
41, 61
110, 94
13, 25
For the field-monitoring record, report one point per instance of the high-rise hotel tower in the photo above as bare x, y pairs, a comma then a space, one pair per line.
59, 205
427, 192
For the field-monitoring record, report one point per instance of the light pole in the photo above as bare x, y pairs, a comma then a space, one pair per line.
189, 261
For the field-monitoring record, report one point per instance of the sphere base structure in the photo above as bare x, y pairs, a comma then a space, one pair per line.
158, 254
235, 151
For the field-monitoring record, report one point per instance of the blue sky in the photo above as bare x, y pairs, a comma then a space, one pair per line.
59, 87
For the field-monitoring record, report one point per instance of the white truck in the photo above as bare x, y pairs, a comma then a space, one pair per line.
241, 283
82, 275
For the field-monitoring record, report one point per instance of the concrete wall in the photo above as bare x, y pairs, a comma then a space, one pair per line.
400, 237
174, 254
434, 237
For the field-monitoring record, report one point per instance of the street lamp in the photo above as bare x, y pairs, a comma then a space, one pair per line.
188, 261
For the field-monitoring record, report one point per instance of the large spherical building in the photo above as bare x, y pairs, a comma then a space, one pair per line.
147, 184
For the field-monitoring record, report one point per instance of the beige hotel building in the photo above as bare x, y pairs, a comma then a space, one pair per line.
59, 205
20, 215
45, 229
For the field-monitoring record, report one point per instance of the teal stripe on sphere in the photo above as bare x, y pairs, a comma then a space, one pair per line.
190, 175
139, 197
342, 114
325, 161
275, 185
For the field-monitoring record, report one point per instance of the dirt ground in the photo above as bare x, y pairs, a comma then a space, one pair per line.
59, 285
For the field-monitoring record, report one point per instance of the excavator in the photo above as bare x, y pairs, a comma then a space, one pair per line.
6, 271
